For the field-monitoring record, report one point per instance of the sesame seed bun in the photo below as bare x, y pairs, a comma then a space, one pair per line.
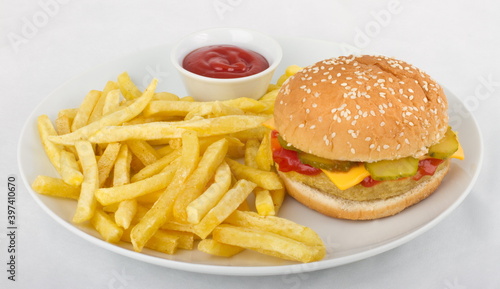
361, 108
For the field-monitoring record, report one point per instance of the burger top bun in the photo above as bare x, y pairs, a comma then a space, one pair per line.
361, 108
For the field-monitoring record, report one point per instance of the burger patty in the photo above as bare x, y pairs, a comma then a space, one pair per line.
358, 192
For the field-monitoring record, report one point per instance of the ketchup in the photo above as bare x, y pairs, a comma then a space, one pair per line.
288, 159
224, 61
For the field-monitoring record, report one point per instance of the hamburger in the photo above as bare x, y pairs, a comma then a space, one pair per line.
362, 137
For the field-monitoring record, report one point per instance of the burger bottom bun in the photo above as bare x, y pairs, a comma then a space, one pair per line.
337, 207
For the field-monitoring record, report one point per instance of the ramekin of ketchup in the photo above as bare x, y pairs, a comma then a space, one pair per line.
226, 63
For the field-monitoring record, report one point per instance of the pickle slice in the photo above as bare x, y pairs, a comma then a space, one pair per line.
284, 144
446, 147
326, 164
392, 169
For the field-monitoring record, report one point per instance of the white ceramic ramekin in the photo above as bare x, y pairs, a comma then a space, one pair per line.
209, 89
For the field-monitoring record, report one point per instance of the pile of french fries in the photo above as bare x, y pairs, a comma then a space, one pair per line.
168, 173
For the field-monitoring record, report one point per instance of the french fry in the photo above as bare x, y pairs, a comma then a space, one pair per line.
97, 112
165, 96
278, 197
55, 187
105, 225
121, 169
156, 167
85, 109
251, 149
127, 87
63, 124
185, 241
228, 204
143, 151
265, 180
273, 224
264, 157
213, 247
268, 243
125, 213
160, 241
115, 118
199, 207
111, 102
106, 161
86, 202
161, 130
70, 170
264, 202
108, 196
53, 151
197, 181
162, 208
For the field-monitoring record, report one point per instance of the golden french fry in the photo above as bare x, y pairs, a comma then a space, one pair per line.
143, 151
111, 102
178, 226
97, 112
264, 155
246, 104
125, 213
105, 225
69, 112
86, 203
70, 170
165, 96
63, 124
106, 161
213, 247
197, 181
55, 187
53, 151
161, 130
156, 167
127, 87
185, 241
265, 180
228, 204
115, 118
121, 169
268, 243
292, 69
256, 132
278, 197
85, 109
251, 149
160, 241
108, 196
149, 198
162, 208
199, 207
274, 224
173, 107
264, 202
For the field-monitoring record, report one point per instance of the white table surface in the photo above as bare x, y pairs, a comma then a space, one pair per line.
44, 43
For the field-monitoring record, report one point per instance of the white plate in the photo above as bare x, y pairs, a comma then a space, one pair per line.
346, 241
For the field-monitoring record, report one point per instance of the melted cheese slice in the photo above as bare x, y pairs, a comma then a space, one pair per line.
345, 180
459, 154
